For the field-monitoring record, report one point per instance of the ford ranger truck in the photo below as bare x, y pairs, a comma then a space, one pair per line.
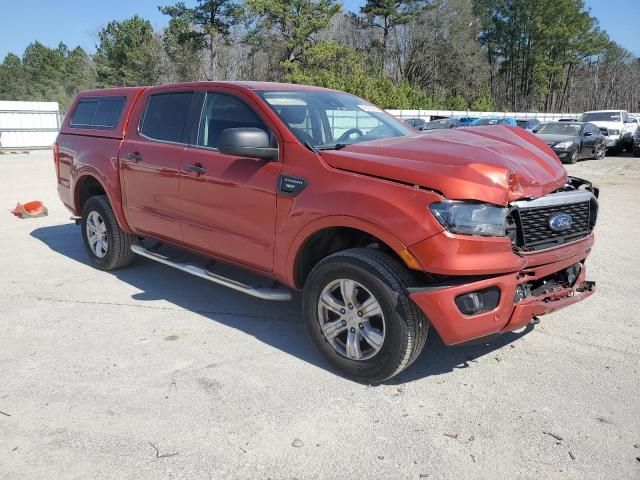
269, 188
617, 127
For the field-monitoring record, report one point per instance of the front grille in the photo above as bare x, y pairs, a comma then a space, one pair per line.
529, 228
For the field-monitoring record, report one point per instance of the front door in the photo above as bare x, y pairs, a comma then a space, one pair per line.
150, 160
589, 137
229, 202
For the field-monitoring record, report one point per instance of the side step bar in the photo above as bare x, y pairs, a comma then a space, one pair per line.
266, 293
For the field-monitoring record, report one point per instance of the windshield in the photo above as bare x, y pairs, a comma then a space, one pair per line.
325, 119
571, 129
601, 116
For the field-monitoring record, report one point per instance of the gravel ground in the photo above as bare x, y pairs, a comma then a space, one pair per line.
148, 373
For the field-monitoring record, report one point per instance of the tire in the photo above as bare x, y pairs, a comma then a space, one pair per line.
573, 158
601, 152
636, 152
113, 250
613, 151
403, 325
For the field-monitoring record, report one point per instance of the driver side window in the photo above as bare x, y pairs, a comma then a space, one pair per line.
221, 111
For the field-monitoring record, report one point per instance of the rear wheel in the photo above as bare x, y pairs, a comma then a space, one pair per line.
107, 246
359, 314
613, 151
636, 152
601, 152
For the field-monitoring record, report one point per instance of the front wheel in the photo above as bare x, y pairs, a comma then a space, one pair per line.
107, 245
359, 314
573, 158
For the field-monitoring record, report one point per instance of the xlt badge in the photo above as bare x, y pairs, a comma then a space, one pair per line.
292, 186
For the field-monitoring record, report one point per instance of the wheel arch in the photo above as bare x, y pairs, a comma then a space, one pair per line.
88, 185
329, 235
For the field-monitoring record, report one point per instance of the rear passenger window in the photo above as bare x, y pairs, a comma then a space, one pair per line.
165, 116
98, 112
108, 112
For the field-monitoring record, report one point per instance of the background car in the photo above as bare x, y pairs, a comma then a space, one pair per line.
453, 122
572, 141
494, 121
616, 125
528, 124
417, 123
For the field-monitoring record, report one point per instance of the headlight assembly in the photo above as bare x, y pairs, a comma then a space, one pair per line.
563, 145
470, 218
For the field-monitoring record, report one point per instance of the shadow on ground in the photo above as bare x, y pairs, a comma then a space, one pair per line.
278, 324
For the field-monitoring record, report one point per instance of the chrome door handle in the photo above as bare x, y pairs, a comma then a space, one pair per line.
135, 156
197, 168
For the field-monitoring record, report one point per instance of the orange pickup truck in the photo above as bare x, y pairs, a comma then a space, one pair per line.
387, 232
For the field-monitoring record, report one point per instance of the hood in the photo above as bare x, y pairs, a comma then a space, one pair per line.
552, 138
495, 164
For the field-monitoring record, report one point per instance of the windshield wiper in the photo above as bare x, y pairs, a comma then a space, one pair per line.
336, 146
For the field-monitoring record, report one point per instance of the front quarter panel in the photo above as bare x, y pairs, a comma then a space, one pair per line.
396, 213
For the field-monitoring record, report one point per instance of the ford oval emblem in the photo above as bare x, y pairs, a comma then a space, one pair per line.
560, 222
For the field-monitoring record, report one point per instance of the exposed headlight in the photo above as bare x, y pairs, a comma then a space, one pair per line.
470, 218
564, 145
614, 131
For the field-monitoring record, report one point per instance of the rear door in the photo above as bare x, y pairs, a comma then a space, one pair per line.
150, 159
229, 202
589, 142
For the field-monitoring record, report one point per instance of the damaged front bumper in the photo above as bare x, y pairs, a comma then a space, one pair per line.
466, 309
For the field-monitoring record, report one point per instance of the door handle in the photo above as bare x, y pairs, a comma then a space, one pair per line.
135, 156
196, 168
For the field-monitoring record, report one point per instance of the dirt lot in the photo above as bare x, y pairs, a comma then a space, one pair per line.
150, 373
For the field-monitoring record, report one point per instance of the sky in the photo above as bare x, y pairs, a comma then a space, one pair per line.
76, 22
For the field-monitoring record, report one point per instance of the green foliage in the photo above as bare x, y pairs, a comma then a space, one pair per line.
13, 85
483, 102
330, 65
209, 18
126, 53
535, 44
193, 31
184, 50
291, 24
486, 55
46, 74
456, 102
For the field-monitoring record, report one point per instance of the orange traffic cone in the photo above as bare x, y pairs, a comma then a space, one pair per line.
30, 210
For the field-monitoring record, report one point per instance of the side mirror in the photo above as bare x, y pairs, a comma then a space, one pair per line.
247, 142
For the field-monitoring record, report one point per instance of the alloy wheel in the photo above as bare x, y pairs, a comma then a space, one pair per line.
97, 234
351, 319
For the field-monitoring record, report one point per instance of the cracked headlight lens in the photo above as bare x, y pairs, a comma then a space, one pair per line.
469, 218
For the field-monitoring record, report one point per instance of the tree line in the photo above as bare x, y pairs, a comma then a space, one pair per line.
511, 55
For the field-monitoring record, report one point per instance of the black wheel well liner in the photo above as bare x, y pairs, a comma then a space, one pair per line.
87, 187
330, 240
